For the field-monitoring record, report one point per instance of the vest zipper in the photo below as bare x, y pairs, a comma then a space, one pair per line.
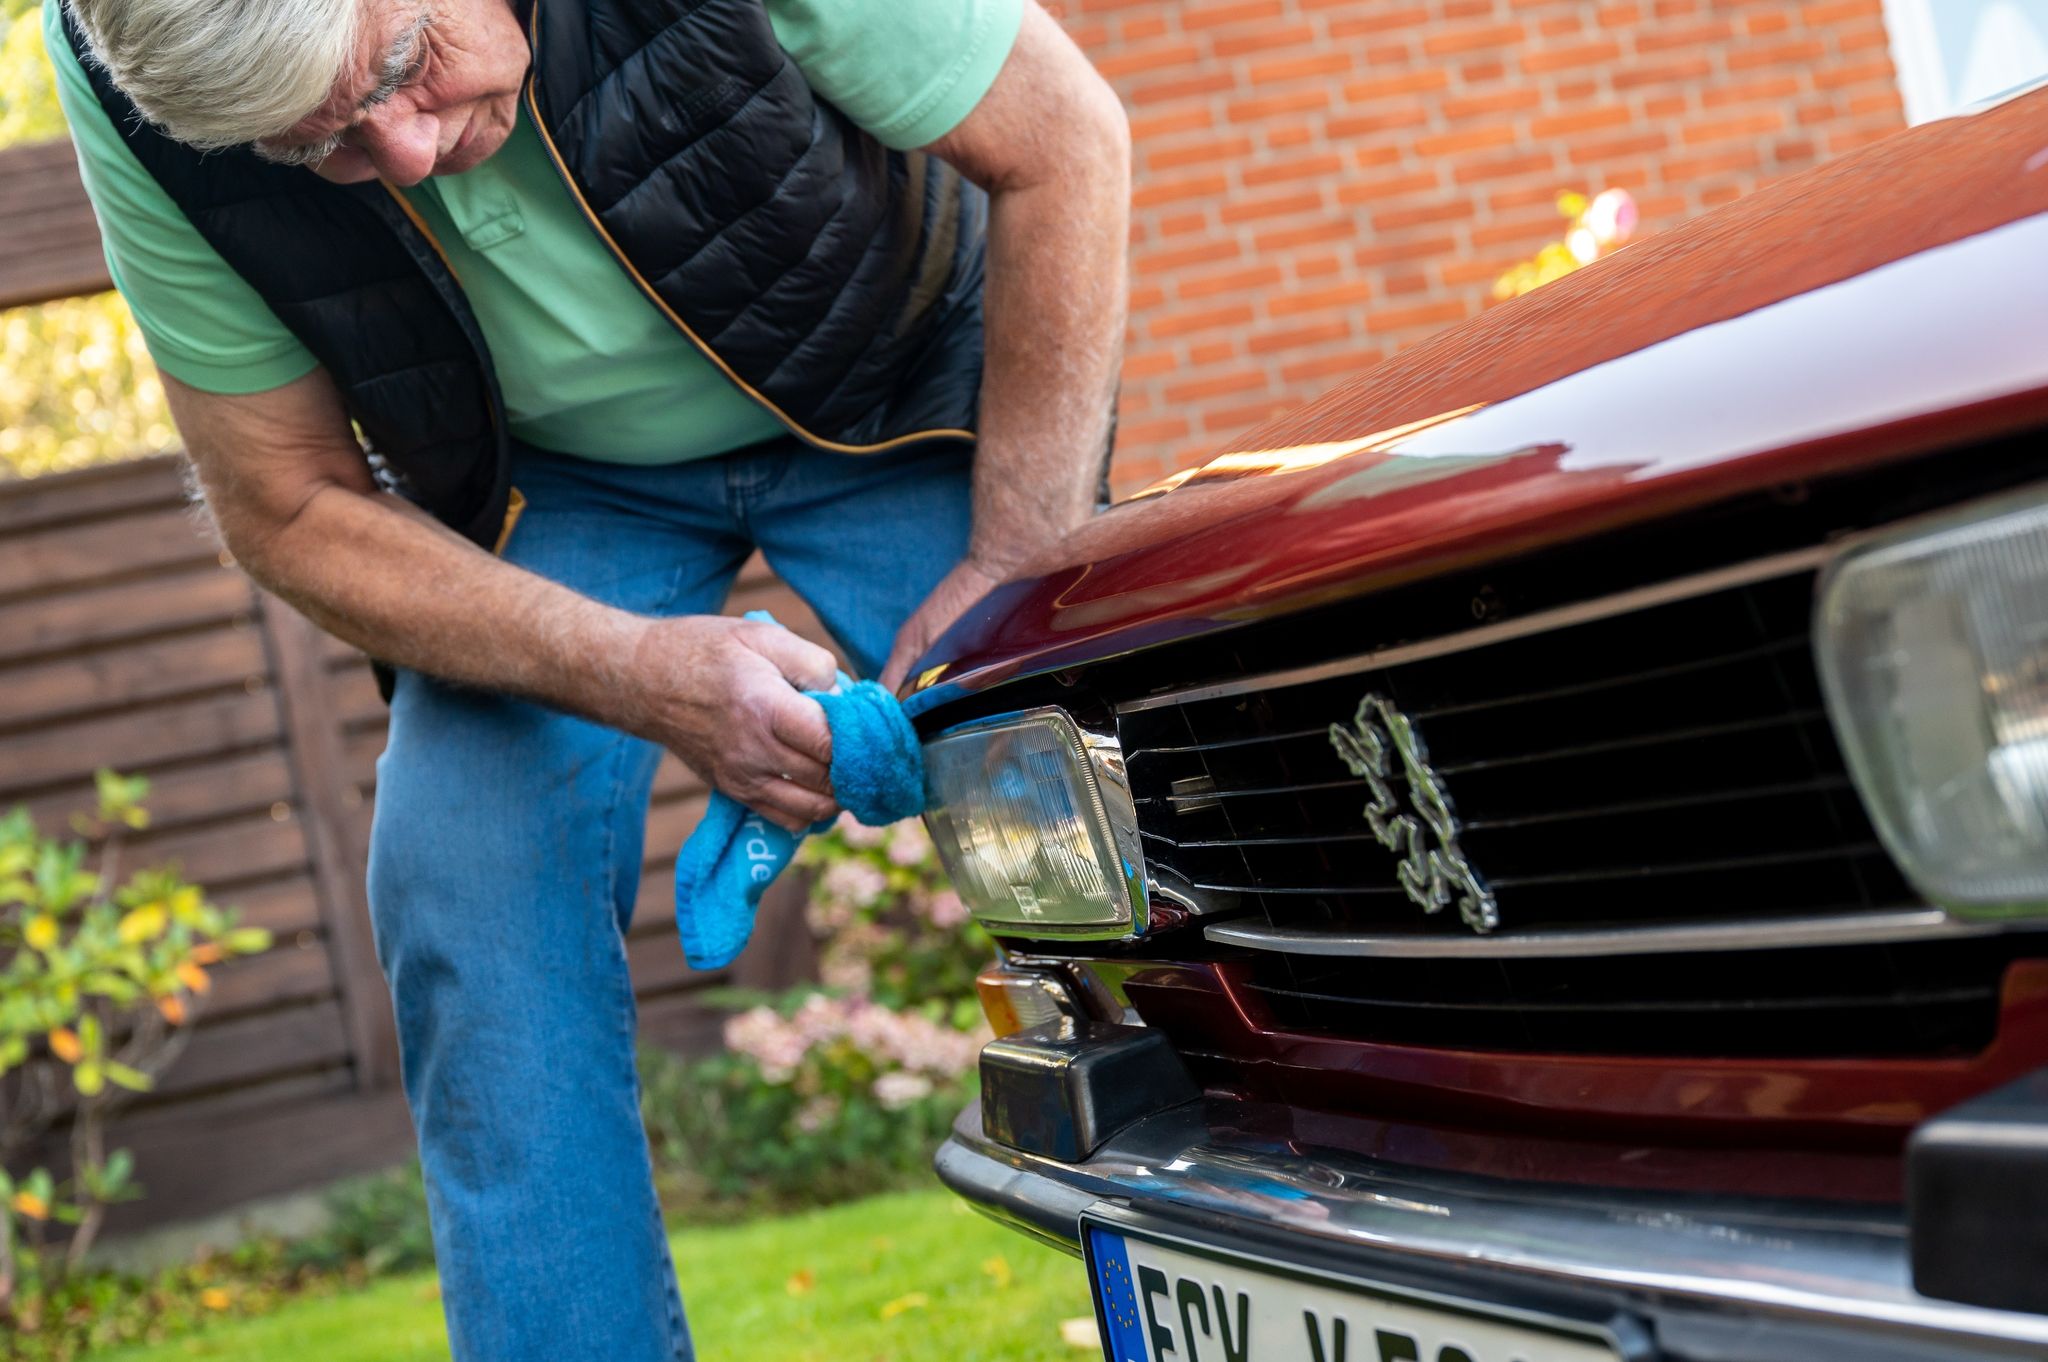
547, 140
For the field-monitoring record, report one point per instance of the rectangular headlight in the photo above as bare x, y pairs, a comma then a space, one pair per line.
1032, 819
1933, 651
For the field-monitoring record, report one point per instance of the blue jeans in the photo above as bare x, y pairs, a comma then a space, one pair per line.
505, 859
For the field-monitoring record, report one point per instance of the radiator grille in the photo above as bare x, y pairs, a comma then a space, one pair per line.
1670, 765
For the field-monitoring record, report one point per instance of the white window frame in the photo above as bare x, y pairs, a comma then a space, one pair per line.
1916, 56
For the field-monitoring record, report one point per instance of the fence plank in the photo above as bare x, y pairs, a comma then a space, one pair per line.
339, 861
137, 740
113, 678
203, 594
48, 560
293, 972
247, 1049
49, 243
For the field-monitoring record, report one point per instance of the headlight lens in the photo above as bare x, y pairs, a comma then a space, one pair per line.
1933, 650
1020, 808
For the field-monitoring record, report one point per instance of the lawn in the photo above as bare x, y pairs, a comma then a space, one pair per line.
914, 1277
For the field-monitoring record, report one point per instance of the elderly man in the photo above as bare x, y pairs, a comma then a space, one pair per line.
611, 292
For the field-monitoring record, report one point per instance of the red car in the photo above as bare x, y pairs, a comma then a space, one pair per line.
1542, 855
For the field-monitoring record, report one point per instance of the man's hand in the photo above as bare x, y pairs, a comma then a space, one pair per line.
722, 694
967, 583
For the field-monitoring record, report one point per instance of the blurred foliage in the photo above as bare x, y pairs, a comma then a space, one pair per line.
1597, 227
76, 383
99, 980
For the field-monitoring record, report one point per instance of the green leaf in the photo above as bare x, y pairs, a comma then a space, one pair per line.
89, 1078
132, 1079
246, 941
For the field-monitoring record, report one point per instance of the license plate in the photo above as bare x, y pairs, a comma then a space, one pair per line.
1161, 1299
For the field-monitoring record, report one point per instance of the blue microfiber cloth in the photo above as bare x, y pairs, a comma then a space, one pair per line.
735, 854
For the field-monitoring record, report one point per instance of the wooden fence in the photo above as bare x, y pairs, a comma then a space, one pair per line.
128, 639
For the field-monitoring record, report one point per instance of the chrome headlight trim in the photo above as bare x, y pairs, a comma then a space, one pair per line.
1956, 533
1098, 763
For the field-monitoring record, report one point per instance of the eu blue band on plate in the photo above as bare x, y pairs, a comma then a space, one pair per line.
1119, 1294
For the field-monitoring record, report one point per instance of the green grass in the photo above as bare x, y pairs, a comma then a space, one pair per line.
914, 1277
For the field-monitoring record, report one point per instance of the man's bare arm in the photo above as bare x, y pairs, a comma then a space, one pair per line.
294, 501
1050, 143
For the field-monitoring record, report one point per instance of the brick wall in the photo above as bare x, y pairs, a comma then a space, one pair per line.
1320, 182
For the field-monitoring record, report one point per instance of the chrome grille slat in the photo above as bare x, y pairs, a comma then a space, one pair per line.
1661, 766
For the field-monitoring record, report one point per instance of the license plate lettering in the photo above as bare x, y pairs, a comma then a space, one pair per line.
1166, 1304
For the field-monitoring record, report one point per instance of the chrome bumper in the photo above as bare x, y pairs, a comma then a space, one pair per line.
1710, 1279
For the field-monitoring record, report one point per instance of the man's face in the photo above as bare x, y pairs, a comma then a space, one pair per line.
435, 91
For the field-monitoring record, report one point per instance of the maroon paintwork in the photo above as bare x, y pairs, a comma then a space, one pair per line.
1880, 304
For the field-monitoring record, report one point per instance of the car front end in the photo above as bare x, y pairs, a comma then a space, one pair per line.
1543, 855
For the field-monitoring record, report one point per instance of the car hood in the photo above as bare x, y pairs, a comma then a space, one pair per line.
1874, 307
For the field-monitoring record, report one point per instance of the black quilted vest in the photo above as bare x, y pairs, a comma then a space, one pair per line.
835, 281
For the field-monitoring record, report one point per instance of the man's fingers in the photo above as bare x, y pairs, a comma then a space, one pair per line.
900, 658
791, 806
803, 663
798, 723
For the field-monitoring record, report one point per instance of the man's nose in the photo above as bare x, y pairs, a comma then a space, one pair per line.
402, 142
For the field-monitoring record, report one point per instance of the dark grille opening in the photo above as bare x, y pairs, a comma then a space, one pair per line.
1930, 998
1668, 765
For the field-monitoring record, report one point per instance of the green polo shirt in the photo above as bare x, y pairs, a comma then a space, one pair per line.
586, 363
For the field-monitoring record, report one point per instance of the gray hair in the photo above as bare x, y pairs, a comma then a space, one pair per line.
221, 73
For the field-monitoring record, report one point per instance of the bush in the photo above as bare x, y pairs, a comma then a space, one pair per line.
98, 983
836, 1090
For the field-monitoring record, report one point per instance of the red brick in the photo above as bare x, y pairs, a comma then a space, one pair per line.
1376, 19
1180, 224
1823, 111
1150, 433
1836, 75
1295, 338
1382, 187
1407, 285
1480, 72
1514, 99
1408, 113
1320, 300
1145, 297
1301, 68
1187, 322
1504, 167
1832, 12
1406, 83
1228, 281
1481, 138
1264, 40
1311, 234
1138, 60
1194, 153
1195, 17
1423, 314
1524, 234
1596, 150
1242, 209
1317, 167
1344, 363
1318, 266
1560, 26
1580, 120
1218, 385
1716, 163
1668, 37
1153, 192
1417, 215
1877, 102
1266, 106
1754, 91
1287, 138
1684, 70
1862, 38
1460, 272
1369, 155
1201, 253
1720, 194
1444, 42
1154, 126
1543, 59
1740, 125
1415, 248
1664, 106
1143, 26
1232, 419
1183, 87
1791, 52
1211, 352
1760, 22
1149, 364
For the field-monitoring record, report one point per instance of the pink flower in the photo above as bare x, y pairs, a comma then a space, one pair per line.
945, 909
909, 843
899, 1090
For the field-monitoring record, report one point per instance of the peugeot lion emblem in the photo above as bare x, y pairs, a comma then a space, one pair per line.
1433, 875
